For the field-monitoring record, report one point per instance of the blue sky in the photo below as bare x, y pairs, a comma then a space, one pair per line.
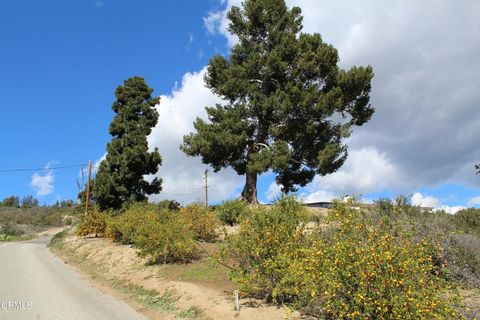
60, 62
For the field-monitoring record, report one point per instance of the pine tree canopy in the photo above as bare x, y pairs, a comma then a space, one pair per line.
287, 105
120, 177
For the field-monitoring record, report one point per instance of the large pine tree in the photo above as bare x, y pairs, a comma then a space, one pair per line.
288, 106
120, 177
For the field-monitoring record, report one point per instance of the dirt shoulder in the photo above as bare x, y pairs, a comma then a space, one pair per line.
198, 290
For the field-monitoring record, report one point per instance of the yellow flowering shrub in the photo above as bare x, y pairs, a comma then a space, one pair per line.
267, 234
202, 221
355, 268
159, 234
167, 239
351, 267
93, 223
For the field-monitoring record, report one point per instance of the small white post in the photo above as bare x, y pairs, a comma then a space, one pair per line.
237, 306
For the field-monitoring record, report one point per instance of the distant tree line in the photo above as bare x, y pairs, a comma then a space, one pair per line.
29, 201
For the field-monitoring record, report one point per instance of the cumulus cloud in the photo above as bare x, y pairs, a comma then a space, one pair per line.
318, 196
365, 170
273, 191
182, 175
474, 201
451, 209
419, 199
43, 184
426, 63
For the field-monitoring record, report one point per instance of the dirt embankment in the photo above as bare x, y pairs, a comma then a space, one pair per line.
197, 286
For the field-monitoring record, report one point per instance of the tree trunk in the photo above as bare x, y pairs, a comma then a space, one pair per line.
249, 192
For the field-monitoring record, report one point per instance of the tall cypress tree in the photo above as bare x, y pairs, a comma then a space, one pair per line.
120, 177
288, 106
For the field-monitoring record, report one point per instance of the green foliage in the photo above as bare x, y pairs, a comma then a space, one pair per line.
123, 227
10, 229
169, 205
230, 211
161, 235
166, 239
201, 221
120, 178
93, 223
462, 258
358, 268
281, 88
354, 266
468, 221
29, 202
11, 202
262, 242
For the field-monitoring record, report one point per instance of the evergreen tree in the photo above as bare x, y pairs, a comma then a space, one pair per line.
120, 177
288, 106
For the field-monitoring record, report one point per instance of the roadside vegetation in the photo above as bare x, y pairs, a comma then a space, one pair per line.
21, 218
389, 261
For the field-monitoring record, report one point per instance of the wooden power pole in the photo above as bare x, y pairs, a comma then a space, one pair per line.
205, 176
87, 200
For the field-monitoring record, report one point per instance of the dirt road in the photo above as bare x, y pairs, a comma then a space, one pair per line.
34, 284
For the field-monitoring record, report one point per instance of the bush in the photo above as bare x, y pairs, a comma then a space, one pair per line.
462, 257
468, 221
265, 237
93, 223
123, 227
169, 205
201, 221
160, 235
354, 267
165, 241
10, 229
230, 211
359, 268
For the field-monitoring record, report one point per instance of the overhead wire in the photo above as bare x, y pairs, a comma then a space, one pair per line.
41, 169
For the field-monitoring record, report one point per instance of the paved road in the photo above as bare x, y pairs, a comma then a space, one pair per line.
34, 284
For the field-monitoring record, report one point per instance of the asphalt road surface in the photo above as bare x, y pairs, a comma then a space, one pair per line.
35, 284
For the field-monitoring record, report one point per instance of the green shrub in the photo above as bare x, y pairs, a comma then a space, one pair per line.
161, 235
124, 226
230, 211
169, 205
268, 234
468, 221
359, 268
165, 241
462, 258
10, 229
201, 221
4, 237
353, 267
93, 223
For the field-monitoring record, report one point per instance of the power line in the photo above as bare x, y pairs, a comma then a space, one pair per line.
41, 169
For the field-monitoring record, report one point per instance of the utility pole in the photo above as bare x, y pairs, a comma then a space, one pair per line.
205, 176
87, 202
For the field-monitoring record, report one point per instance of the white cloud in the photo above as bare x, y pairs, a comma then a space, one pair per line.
451, 210
273, 192
474, 201
365, 170
96, 165
318, 196
424, 56
424, 201
43, 184
182, 175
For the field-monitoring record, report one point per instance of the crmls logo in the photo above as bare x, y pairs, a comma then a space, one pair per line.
16, 305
